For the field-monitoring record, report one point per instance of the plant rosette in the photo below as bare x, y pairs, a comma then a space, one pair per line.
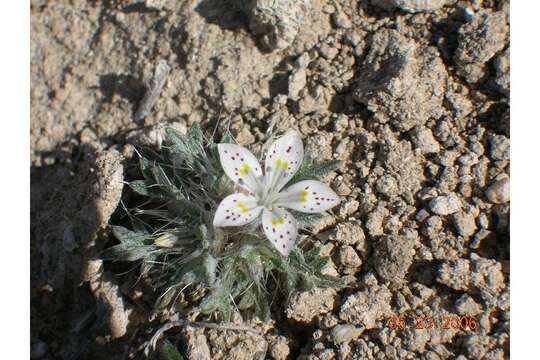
207, 218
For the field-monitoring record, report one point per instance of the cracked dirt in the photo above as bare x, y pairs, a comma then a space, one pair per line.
412, 95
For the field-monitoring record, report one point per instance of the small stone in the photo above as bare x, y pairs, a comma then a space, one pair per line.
479, 40
328, 52
349, 233
305, 306
345, 333
387, 185
349, 259
499, 192
394, 255
445, 205
502, 72
393, 66
276, 22
424, 140
412, 6
367, 307
197, 346
341, 20
465, 223
499, 147
155, 4
278, 348
348, 207
297, 81
455, 274
466, 305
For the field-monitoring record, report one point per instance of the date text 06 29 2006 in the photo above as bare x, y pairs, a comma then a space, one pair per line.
421, 322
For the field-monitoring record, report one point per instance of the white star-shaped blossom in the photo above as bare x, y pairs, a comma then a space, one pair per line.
264, 190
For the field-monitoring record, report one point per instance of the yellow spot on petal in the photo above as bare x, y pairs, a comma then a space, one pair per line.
278, 221
244, 170
303, 196
281, 164
243, 208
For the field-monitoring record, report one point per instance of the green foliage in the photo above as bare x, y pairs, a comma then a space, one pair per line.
168, 351
312, 169
171, 208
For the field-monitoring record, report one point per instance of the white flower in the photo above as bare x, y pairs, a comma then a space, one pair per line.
265, 195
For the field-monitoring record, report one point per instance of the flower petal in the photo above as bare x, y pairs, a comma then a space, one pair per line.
241, 166
309, 196
283, 160
280, 228
236, 210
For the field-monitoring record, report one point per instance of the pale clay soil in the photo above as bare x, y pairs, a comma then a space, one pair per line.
412, 95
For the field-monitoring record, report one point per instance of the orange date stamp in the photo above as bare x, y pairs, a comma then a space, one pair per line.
425, 322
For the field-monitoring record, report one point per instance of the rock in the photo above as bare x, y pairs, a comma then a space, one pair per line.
276, 22
432, 226
387, 185
502, 213
466, 306
455, 274
197, 345
424, 140
401, 81
297, 81
412, 6
374, 223
487, 277
239, 345
483, 276
348, 207
502, 72
351, 233
278, 348
479, 40
367, 307
394, 255
345, 333
109, 184
499, 191
328, 52
341, 20
445, 205
152, 4
106, 290
465, 223
349, 259
499, 147
405, 166
305, 306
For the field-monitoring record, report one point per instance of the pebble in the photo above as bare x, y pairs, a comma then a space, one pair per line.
297, 81
349, 259
499, 147
345, 333
499, 192
328, 52
341, 20
465, 223
445, 205
424, 140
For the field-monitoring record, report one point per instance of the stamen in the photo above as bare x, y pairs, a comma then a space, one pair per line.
244, 169
278, 221
242, 206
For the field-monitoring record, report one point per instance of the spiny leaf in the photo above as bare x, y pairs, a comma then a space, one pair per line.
140, 187
126, 236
